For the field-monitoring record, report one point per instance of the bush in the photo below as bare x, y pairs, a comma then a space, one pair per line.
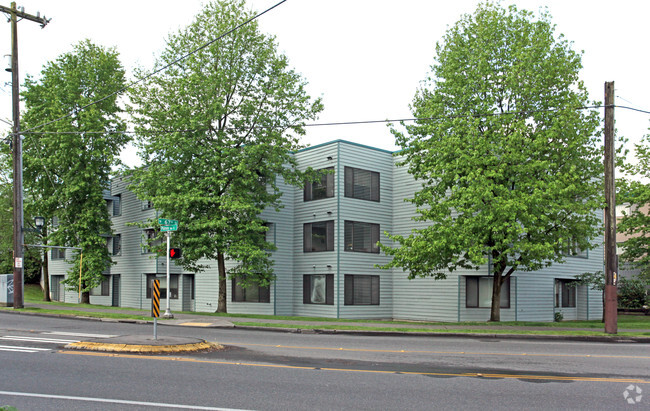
558, 316
631, 293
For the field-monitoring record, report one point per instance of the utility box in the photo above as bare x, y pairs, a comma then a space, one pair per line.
6, 290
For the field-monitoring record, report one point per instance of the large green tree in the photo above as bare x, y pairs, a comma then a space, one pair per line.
68, 162
510, 164
635, 222
6, 213
217, 131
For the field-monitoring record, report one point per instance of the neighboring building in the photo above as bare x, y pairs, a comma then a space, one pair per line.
326, 258
625, 269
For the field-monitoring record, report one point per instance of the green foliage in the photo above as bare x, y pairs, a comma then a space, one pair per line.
558, 316
230, 114
635, 223
6, 218
510, 165
632, 293
595, 281
67, 163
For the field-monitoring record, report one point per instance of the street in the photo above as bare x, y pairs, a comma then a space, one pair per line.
278, 371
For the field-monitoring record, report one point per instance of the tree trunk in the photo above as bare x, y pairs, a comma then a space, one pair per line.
495, 311
221, 304
85, 297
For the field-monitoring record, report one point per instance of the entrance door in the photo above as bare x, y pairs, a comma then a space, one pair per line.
55, 287
116, 291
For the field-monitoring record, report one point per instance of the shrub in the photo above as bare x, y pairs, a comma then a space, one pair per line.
631, 293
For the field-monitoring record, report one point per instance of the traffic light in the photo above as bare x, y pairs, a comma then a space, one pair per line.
175, 253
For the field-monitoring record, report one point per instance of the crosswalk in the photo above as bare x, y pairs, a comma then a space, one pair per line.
39, 342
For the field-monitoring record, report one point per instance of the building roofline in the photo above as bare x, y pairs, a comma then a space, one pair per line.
347, 142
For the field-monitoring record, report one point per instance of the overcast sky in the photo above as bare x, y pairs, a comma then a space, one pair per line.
366, 58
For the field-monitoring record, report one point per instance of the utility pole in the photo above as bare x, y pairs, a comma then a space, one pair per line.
611, 276
19, 234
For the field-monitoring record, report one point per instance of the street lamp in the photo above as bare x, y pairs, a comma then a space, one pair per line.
39, 222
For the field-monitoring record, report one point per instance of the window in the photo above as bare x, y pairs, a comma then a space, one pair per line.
251, 294
322, 188
361, 290
478, 292
361, 237
117, 205
173, 290
318, 289
565, 293
149, 242
361, 184
572, 249
102, 289
269, 235
114, 244
58, 253
147, 204
319, 236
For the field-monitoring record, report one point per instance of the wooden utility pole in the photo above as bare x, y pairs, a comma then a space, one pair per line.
611, 269
19, 234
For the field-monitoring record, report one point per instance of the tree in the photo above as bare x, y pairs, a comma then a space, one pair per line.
6, 214
68, 162
217, 131
509, 162
635, 222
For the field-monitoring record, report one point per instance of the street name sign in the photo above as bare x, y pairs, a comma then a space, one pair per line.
169, 227
165, 221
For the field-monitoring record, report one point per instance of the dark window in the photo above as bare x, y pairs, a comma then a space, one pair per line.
322, 188
361, 237
102, 289
572, 249
117, 205
116, 244
478, 292
361, 184
318, 289
361, 290
565, 293
173, 290
58, 253
147, 204
318, 236
251, 294
149, 242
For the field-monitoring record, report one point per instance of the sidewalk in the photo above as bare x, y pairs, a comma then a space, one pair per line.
343, 327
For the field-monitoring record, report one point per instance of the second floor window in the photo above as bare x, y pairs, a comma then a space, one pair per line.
322, 188
361, 184
318, 236
361, 237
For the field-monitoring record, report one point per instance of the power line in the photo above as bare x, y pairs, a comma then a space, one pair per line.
163, 68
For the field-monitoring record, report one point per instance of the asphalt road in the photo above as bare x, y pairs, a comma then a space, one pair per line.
286, 371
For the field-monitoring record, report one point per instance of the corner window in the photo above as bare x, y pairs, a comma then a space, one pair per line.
318, 236
114, 244
322, 188
361, 290
361, 184
150, 243
251, 294
102, 289
116, 203
173, 289
361, 237
318, 289
478, 292
565, 293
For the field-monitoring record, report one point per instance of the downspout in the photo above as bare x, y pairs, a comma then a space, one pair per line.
338, 229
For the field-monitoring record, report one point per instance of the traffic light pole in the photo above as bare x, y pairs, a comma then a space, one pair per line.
168, 313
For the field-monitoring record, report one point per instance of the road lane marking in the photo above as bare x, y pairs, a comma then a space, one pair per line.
437, 374
197, 324
79, 334
36, 339
21, 349
114, 401
438, 352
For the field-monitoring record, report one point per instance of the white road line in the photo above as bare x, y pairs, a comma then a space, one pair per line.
113, 401
21, 349
79, 334
36, 339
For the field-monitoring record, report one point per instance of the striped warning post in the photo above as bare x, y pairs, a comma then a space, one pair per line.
155, 299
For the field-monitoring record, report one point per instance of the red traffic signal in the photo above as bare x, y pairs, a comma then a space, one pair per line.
175, 253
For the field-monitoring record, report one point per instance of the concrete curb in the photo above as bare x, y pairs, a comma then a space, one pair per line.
143, 349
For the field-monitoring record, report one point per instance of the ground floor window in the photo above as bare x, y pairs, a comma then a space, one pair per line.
253, 293
361, 290
318, 289
173, 288
102, 289
565, 293
478, 292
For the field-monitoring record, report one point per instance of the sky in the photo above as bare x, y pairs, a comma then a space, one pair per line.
365, 58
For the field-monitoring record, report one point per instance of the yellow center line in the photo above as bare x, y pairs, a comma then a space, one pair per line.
294, 367
441, 352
